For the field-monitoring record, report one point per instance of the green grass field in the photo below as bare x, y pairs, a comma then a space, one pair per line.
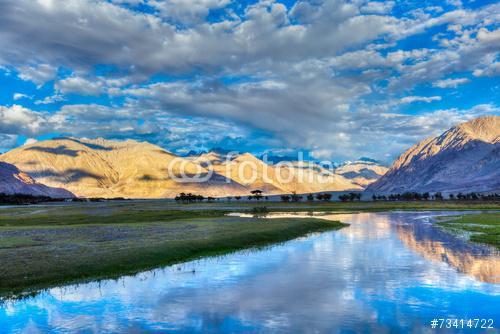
483, 228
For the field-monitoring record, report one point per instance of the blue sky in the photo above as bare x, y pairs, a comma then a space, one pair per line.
335, 79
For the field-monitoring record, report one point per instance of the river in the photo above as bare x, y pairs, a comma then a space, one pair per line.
386, 272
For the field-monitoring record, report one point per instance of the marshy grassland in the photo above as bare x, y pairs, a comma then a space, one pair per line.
483, 228
48, 245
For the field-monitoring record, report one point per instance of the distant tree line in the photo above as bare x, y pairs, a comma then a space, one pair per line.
294, 197
324, 197
475, 196
21, 199
350, 197
286, 198
409, 196
192, 198
438, 196
257, 195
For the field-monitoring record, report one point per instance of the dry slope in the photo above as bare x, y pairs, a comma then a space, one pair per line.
103, 168
131, 169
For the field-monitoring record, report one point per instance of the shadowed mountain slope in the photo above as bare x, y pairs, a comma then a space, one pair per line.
14, 181
465, 158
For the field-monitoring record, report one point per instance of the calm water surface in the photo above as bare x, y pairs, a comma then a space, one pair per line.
387, 273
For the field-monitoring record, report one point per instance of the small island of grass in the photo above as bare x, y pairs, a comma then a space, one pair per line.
482, 228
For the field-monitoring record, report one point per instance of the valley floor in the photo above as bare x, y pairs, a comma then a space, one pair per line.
48, 245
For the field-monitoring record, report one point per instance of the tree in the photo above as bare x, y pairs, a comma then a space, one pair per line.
285, 198
327, 197
237, 198
295, 197
354, 196
410, 196
310, 197
189, 198
257, 194
180, 197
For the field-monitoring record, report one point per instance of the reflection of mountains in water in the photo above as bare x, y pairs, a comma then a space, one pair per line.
432, 243
379, 226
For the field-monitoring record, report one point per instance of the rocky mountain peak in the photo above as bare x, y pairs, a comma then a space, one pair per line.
485, 128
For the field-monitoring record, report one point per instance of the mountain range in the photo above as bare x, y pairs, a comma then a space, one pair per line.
131, 169
465, 158
363, 172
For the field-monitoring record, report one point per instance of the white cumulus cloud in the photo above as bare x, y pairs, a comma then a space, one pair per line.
450, 83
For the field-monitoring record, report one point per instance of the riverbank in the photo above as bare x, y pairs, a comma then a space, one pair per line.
482, 228
44, 248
